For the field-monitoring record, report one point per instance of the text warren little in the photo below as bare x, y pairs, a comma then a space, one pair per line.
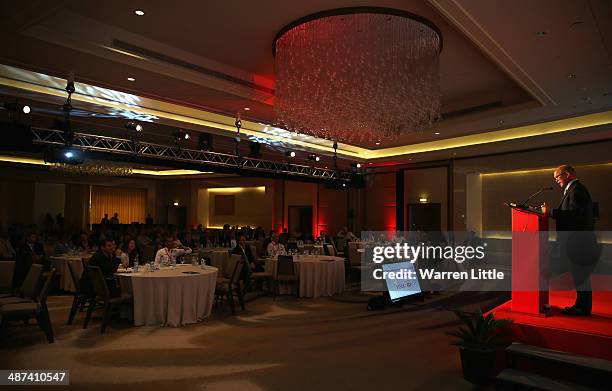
432, 274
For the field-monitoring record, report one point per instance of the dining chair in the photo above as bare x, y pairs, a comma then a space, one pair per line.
331, 250
30, 288
231, 287
103, 299
80, 296
7, 270
285, 273
32, 308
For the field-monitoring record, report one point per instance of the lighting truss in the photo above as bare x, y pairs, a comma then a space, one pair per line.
124, 147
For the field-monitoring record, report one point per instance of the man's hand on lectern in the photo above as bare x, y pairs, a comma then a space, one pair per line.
544, 209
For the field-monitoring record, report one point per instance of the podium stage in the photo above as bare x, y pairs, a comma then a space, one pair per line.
584, 335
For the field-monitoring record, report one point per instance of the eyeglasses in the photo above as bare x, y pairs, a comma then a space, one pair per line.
563, 173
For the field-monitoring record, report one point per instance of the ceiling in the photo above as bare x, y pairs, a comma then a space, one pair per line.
505, 64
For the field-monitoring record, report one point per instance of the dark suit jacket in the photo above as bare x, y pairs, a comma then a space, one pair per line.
25, 258
574, 218
109, 267
247, 252
575, 212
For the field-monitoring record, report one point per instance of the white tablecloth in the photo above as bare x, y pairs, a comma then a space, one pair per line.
219, 258
60, 263
320, 275
170, 297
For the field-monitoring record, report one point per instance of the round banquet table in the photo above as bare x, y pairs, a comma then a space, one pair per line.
319, 275
171, 296
219, 258
60, 263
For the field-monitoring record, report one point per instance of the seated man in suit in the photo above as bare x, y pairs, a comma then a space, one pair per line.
29, 253
574, 223
107, 260
244, 251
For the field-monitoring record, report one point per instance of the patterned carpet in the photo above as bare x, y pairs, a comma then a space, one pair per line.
292, 344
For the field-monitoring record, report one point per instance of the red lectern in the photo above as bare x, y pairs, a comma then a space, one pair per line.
530, 265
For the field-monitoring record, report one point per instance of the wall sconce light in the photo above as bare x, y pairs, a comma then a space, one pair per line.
175, 203
423, 199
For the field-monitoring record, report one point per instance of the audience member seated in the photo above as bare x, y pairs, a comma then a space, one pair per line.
283, 238
6, 248
275, 248
245, 251
85, 244
31, 252
267, 240
143, 239
129, 253
63, 245
344, 233
170, 252
107, 260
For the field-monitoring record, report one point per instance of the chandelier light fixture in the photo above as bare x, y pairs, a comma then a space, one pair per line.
99, 169
358, 73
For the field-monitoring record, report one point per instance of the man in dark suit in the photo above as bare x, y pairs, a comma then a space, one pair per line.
245, 252
574, 223
106, 259
31, 252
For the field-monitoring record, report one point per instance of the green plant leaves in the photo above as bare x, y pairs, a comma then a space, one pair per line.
479, 332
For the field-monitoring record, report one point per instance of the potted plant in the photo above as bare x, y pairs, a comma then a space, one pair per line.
479, 338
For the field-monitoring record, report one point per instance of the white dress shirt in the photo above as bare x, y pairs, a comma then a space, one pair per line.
275, 249
170, 254
568, 185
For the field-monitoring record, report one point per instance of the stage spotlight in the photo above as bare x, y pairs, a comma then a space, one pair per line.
13, 107
290, 154
314, 158
356, 165
134, 126
181, 135
63, 155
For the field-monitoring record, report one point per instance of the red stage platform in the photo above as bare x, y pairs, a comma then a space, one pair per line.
588, 336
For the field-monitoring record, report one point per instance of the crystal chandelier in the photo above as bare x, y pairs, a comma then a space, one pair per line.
358, 74
92, 169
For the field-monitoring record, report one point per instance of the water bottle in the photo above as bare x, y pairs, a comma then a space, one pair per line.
136, 264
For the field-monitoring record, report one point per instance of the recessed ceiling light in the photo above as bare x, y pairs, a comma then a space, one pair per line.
26, 109
541, 33
139, 12
247, 108
378, 143
437, 133
131, 79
